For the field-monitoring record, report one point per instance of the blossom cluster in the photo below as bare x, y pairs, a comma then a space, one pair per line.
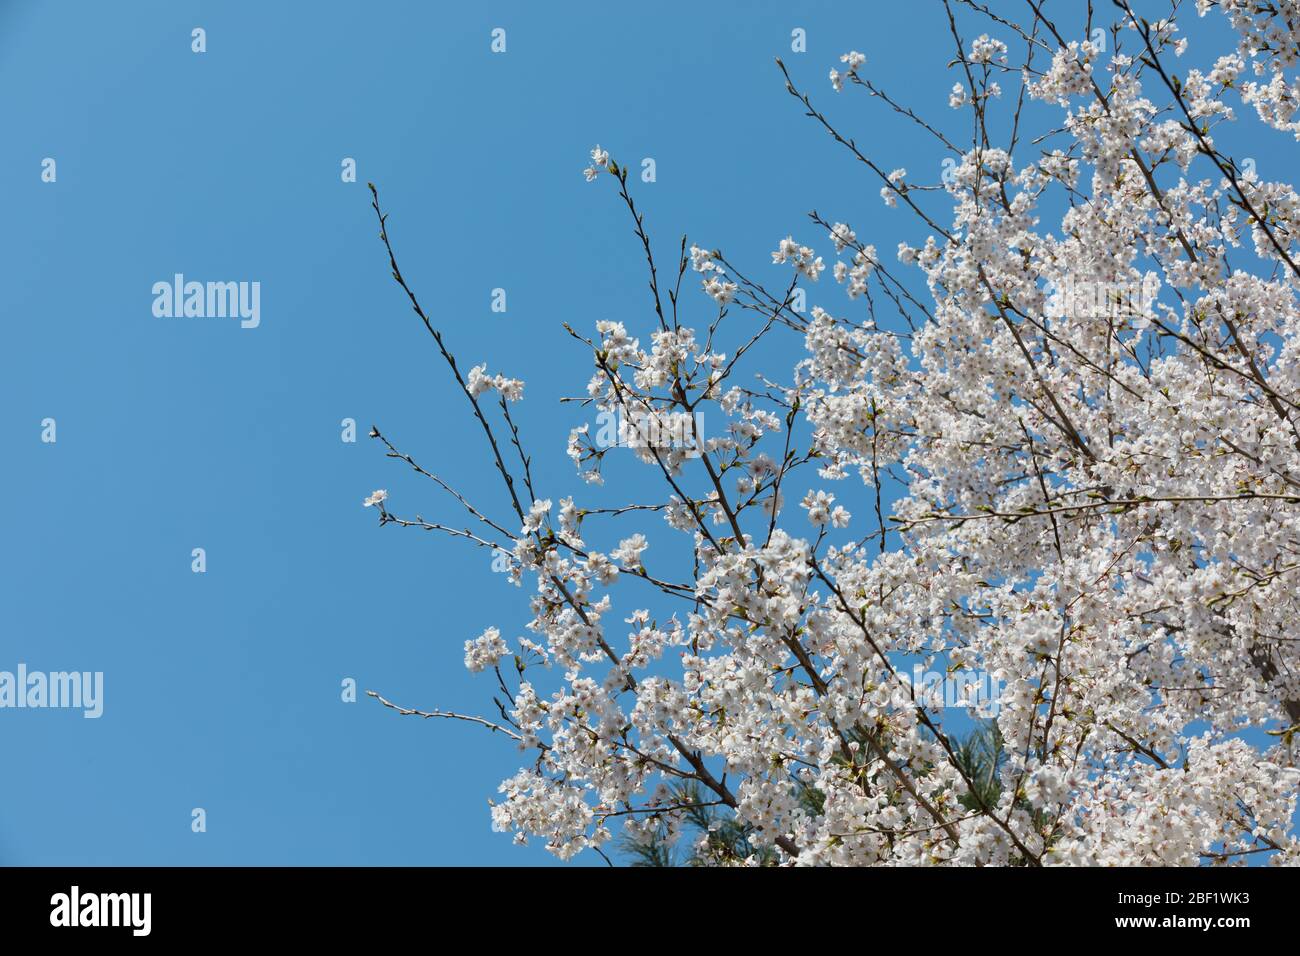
1099, 508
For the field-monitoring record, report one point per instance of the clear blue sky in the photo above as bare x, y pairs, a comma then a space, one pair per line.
222, 690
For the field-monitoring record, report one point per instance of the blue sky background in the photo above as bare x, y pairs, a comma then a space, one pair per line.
223, 689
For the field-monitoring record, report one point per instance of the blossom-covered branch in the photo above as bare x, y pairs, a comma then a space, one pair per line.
1073, 429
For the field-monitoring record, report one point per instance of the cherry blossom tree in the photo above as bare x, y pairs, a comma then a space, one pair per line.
1057, 443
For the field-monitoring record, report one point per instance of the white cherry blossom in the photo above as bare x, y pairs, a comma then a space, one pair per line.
1088, 494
